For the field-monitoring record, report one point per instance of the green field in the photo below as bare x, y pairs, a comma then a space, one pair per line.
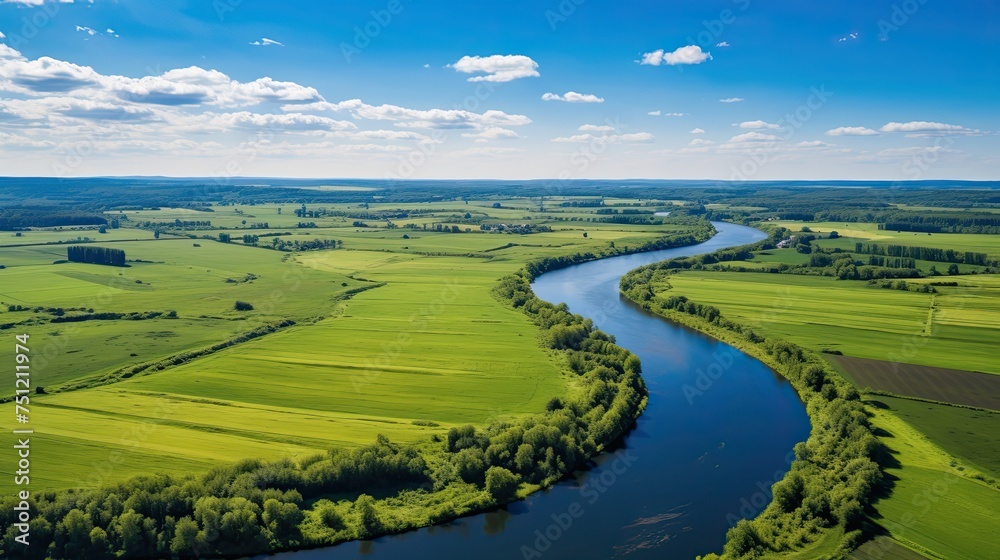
425, 348
956, 328
972, 436
933, 508
858, 231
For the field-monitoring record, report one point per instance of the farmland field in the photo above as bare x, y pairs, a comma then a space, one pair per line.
956, 328
425, 347
937, 384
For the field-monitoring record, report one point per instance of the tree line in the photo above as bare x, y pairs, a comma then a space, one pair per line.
924, 253
96, 255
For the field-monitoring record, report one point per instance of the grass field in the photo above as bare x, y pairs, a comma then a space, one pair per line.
956, 328
924, 382
972, 436
989, 244
424, 349
932, 508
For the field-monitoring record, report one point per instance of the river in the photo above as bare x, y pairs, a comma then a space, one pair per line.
717, 432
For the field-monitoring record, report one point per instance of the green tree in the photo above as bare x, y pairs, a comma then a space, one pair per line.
502, 484
368, 519
185, 539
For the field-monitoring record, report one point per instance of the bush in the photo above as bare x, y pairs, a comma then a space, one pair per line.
502, 484
243, 306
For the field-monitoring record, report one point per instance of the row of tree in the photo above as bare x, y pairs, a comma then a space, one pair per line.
923, 253
96, 255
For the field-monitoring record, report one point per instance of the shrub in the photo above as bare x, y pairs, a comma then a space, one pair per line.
243, 306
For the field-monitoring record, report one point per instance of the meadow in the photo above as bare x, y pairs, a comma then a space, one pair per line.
396, 333
956, 328
858, 231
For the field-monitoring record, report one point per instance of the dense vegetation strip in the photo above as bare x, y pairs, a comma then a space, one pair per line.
836, 475
255, 506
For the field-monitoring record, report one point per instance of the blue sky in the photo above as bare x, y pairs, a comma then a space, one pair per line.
726, 89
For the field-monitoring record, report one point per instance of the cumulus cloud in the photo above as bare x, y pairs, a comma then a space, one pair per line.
573, 97
758, 125
851, 131
698, 131
498, 68
418, 118
283, 121
653, 113
723, 44
691, 54
265, 42
492, 133
700, 142
54, 101
2, 36
754, 137
813, 144
924, 128
596, 128
731, 100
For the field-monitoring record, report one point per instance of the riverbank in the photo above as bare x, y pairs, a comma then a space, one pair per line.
818, 509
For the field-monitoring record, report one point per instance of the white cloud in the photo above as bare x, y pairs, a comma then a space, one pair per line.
492, 133
698, 131
851, 36
758, 125
498, 68
723, 44
86, 30
851, 131
632, 138
417, 118
754, 137
920, 129
731, 100
700, 142
675, 114
265, 42
573, 97
653, 113
691, 54
596, 128
285, 122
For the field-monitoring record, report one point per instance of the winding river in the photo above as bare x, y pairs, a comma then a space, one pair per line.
717, 433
